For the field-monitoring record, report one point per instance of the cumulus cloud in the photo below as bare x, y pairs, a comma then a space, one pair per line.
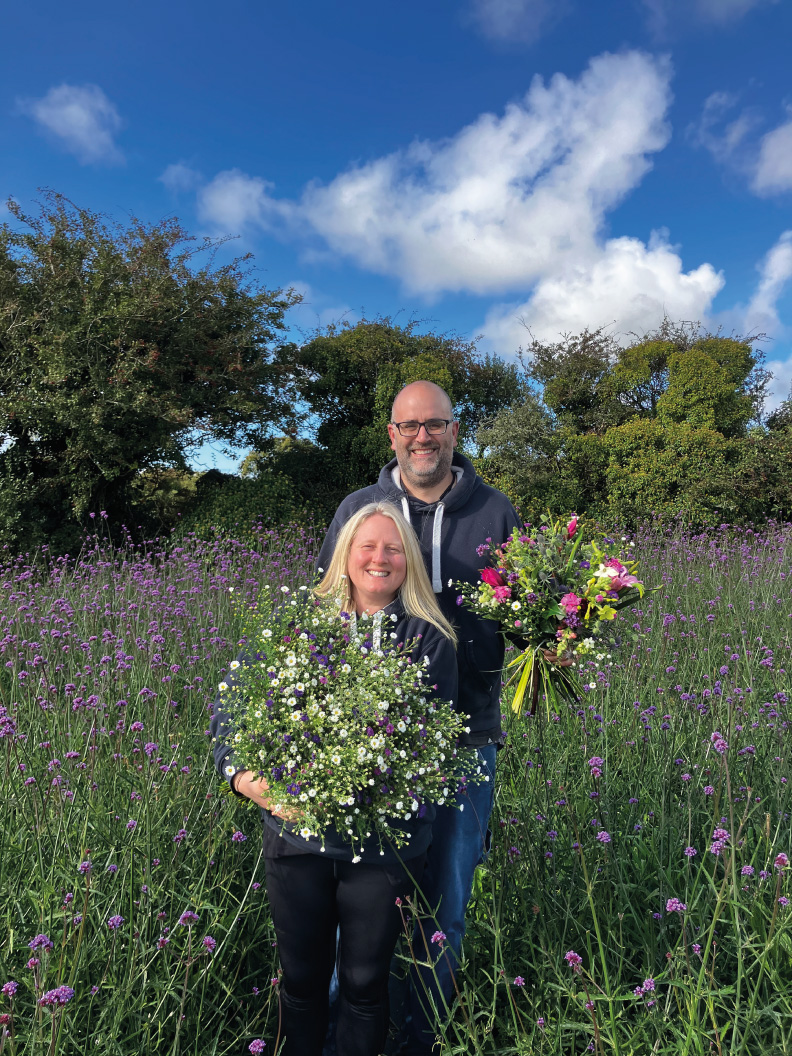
180, 177
82, 119
773, 173
625, 285
494, 208
515, 20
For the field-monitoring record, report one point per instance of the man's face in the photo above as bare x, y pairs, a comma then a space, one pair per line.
424, 460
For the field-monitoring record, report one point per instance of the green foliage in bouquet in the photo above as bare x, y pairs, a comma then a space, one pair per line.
340, 721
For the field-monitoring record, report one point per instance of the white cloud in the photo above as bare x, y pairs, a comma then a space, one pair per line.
773, 173
180, 177
316, 310
495, 207
515, 20
775, 272
721, 137
667, 14
780, 387
82, 118
625, 285
728, 10
233, 201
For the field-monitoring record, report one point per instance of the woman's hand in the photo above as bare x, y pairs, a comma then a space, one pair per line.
257, 789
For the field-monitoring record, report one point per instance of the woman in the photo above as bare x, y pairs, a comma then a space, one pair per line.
378, 576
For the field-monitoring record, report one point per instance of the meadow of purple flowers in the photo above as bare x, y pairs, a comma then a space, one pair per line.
636, 897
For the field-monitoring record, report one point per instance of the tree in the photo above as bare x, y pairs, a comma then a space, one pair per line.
349, 375
572, 374
116, 351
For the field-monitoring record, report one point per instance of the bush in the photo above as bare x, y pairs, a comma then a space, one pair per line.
669, 471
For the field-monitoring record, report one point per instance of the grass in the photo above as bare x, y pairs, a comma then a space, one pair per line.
109, 664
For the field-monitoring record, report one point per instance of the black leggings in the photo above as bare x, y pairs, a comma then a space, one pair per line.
310, 897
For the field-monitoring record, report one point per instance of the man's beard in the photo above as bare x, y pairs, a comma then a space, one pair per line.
431, 474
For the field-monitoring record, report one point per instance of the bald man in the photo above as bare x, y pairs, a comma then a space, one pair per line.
452, 512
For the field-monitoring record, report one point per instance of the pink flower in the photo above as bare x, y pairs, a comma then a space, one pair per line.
495, 579
572, 527
502, 593
570, 602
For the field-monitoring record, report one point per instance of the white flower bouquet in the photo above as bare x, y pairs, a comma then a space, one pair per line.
340, 721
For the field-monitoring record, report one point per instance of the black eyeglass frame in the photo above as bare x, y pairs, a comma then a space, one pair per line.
446, 422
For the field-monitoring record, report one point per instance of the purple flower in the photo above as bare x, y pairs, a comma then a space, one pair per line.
112, 868
131, 824
574, 960
34, 962
209, 943
783, 901
603, 836
53, 998
673, 905
781, 861
162, 942
239, 837
256, 1046
10, 988
41, 942
690, 852
180, 835
648, 985
708, 790
519, 981
85, 867
696, 948
188, 918
439, 937
540, 1022
747, 870
115, 922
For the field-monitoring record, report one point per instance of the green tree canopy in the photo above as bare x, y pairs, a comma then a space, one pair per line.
116, 350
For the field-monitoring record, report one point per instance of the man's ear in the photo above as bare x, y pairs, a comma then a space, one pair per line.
391, 434
455, 431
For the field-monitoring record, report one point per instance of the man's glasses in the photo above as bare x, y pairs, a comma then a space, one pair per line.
434, 427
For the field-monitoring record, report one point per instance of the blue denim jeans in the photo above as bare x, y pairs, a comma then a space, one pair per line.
458, 844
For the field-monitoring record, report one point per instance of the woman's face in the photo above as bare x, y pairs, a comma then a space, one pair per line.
377, 564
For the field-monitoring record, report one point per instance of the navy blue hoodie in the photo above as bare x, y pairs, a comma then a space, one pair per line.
281, 839
449, 531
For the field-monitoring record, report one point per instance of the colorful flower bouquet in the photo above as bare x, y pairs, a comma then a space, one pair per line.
339, 720
554, 595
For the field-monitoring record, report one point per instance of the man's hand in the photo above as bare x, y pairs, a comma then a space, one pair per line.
257, 789
554, 658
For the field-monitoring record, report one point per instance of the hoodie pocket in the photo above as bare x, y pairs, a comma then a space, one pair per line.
480, 679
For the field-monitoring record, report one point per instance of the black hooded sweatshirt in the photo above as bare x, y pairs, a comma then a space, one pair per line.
449, 531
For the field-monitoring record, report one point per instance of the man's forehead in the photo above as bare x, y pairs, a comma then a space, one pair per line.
421, 401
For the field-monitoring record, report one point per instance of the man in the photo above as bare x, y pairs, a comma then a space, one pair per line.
453, 512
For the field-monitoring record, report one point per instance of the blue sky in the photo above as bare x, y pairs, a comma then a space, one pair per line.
483, 165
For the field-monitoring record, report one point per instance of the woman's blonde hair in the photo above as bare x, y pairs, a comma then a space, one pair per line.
416, 592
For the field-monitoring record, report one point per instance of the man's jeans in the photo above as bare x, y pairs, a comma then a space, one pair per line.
458, 844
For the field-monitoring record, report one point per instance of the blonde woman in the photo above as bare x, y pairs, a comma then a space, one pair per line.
377, 575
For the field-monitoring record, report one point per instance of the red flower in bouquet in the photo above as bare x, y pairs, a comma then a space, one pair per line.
493, 578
